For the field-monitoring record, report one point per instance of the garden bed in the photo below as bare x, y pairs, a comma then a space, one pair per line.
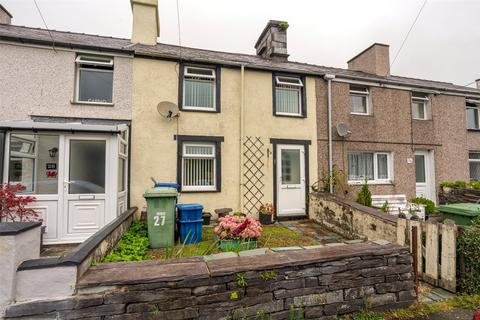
134, 243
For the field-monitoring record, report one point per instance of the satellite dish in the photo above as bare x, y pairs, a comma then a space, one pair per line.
343, 130
167, 109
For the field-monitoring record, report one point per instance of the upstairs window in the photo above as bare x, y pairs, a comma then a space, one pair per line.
370, 166
420, 106
289, 99
474, 164
94, 79
199, 88
359, 100
472, 116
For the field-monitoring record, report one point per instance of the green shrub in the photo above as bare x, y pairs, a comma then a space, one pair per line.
364, 197
133, 246
429, 204
467, 245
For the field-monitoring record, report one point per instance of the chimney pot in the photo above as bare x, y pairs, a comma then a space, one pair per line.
477, 82
5, 16
272, 43
375, 60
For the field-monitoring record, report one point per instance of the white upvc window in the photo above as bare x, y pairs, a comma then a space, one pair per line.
474, 164
94, 79
359, 100
199, 167
199, 88
473, 120
288, 96
420, 106
375, 167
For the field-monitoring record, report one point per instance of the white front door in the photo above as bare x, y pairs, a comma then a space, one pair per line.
85, 184
424, 175
291, 188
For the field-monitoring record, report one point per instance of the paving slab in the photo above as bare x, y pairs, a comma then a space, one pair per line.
335, 244
452, 314
221, 255
381, 242
314, 246
254, 252
354, 241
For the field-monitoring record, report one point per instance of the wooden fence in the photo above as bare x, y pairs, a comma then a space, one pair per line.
434, 250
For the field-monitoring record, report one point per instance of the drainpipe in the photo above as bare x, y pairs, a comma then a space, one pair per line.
242, 123
329, 78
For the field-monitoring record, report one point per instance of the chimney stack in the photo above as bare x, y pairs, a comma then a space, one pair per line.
477, 82
375, 60
5, 16
272, 43
146, 25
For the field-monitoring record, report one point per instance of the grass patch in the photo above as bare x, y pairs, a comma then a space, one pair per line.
420, 310
133, 245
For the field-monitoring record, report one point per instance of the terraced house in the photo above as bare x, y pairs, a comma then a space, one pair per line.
65, 104
403, 135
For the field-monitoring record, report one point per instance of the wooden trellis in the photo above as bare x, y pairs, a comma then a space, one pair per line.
253, 174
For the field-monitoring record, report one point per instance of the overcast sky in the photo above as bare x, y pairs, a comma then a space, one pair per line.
444, 44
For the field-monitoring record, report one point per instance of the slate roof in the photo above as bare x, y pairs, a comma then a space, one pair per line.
166, 51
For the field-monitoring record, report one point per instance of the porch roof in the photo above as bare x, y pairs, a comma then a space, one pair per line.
55, 126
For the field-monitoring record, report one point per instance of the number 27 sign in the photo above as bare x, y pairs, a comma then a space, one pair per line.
159, 219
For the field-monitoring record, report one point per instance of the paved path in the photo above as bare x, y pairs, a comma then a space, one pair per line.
453, 314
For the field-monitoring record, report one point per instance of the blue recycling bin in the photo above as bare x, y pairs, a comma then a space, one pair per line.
167, 185
190, 222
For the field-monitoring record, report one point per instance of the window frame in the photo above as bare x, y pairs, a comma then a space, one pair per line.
375, 180
365, 94
472, 160
217, 87
424, 99
123, 139
78, 67
302, 93
182, 141
473, 106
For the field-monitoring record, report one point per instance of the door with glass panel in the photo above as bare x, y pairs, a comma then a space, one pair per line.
291, 188
84, 186
424, 175
33, 162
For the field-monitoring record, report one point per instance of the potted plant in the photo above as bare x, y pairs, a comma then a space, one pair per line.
265, 213
237, 233
206, 218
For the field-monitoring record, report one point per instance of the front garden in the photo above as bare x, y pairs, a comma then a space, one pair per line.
134, 245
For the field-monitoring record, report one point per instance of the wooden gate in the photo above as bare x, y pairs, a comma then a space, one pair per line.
435, 250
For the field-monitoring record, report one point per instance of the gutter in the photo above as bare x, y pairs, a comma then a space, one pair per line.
329, 78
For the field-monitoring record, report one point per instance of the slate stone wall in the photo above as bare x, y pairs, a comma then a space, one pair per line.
317, 284
350, 219
458, 195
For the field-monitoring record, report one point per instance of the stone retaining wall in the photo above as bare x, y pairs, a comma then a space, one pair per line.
352, 220
316, 284
457, 195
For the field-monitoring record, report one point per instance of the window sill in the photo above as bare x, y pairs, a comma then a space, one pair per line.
86, 103
422, 120
474, 130
187, 109
199, 191
374, 183
285, 115
361, 114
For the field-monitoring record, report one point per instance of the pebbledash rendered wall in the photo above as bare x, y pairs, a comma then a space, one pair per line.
391, 128
314, 284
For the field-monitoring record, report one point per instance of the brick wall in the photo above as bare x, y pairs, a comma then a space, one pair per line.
317, 283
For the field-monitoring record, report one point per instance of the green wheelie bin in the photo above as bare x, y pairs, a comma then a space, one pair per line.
161, 216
